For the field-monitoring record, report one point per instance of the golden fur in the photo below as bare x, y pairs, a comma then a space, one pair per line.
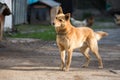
69, 38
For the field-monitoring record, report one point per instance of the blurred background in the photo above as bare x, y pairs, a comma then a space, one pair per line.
31, 13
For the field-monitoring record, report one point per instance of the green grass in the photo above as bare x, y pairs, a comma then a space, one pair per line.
35, 31
41, 31
28, 28
46, 35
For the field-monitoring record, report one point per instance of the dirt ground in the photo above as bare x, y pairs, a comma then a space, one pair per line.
33, 59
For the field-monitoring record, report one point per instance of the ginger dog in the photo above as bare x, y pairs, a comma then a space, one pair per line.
69, 38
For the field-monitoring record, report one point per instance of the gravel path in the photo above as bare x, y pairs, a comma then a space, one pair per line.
33, 59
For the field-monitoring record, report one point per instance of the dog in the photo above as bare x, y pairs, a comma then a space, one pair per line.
87, 22
78, 23
4, 11
117, 19
69, 38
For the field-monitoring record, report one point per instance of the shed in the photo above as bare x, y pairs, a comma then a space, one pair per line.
42, 11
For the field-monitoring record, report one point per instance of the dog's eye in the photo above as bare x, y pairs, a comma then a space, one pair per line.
60, 20
55, 17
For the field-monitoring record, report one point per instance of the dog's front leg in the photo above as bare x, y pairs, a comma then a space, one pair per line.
1, 26
69, 57
62, 54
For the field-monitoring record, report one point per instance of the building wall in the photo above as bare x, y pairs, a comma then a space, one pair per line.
39, 15
19, 10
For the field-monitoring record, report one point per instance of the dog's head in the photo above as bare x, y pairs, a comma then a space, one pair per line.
61, 19
90, 21
4, 9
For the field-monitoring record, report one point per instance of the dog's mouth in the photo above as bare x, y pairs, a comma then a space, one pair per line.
56, 25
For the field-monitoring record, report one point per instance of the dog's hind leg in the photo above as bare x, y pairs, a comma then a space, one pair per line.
94, 48
85, 52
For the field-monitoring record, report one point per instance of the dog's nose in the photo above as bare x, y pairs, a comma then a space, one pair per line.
53, 23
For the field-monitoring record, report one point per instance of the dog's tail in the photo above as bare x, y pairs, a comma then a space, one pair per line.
100, 34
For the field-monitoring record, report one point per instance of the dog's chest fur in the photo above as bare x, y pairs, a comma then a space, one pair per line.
69, 41
63, 40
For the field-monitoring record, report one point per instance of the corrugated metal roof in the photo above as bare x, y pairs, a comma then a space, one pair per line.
50, 3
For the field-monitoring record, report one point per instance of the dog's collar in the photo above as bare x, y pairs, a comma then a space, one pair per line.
61, 33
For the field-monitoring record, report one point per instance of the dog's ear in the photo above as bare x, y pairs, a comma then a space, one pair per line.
60, 10
67, 16
4, 9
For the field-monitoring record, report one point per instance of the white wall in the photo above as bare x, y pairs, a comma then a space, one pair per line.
8, 19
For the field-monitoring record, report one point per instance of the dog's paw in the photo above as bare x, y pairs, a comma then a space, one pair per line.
84, 66
66, 69
62, 68
100, 67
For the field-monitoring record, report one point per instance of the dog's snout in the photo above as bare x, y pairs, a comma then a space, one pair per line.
53, 23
